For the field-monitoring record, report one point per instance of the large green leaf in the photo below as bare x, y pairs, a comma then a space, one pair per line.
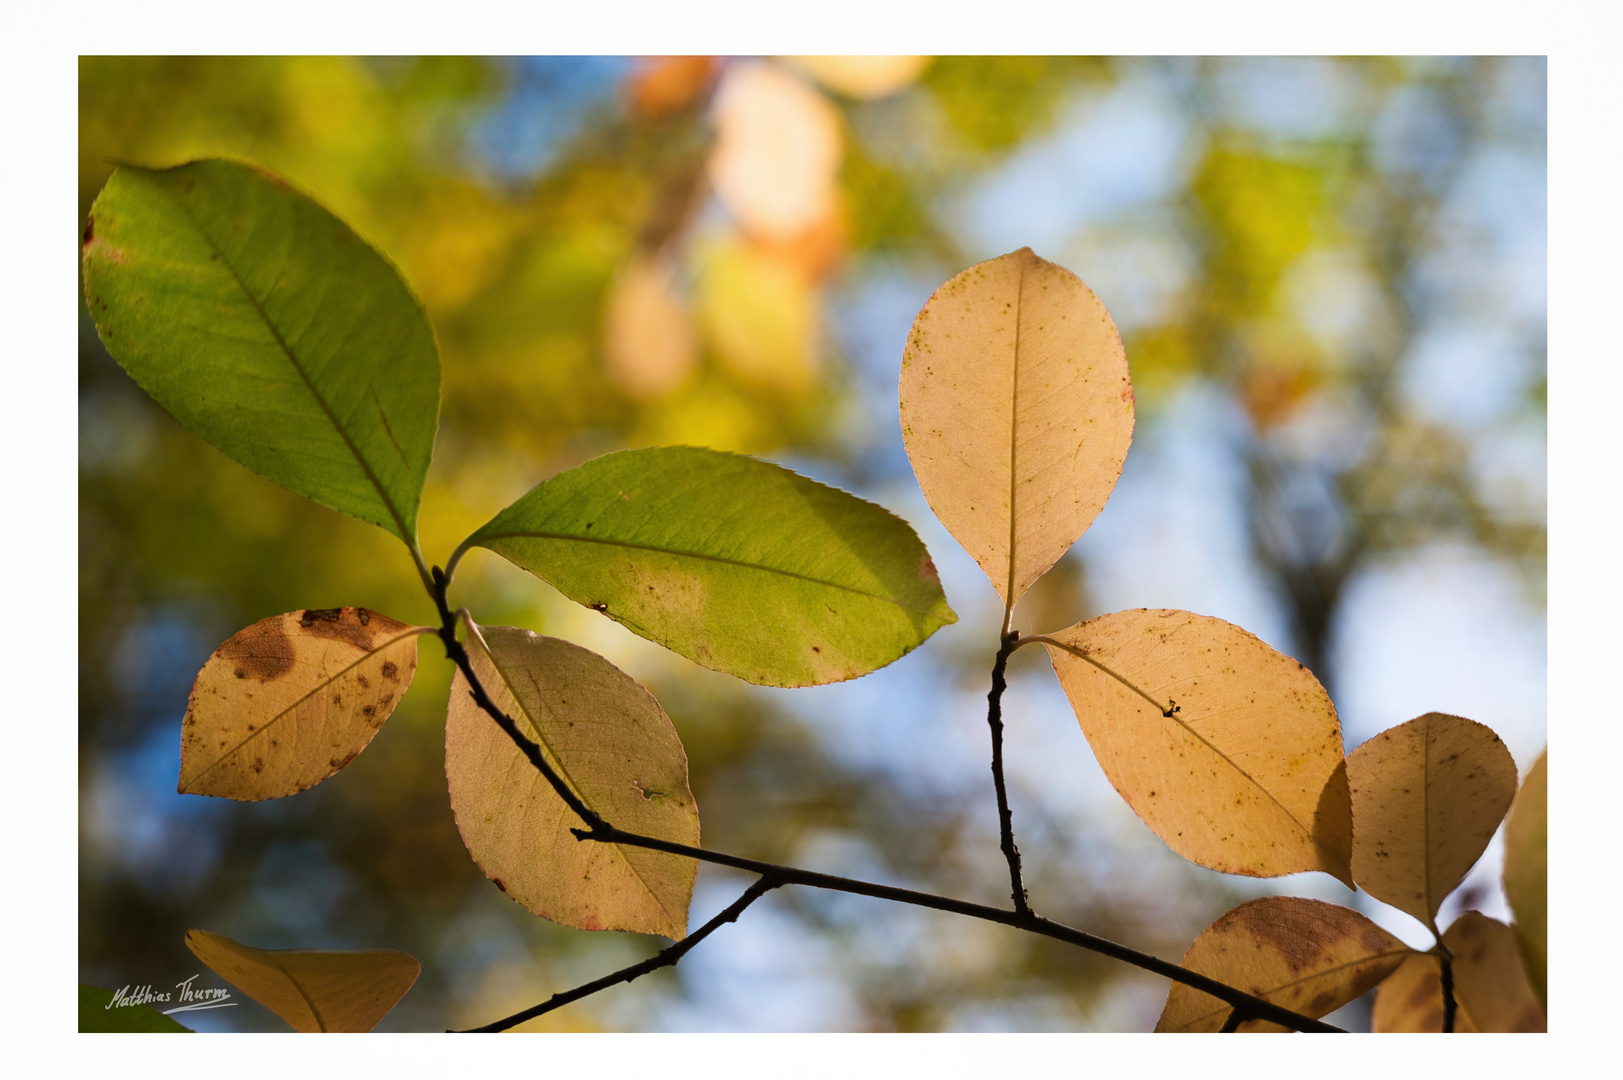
269, 329
737, 564
97, 1012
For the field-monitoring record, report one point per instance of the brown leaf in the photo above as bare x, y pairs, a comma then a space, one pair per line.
1427, 796
1305, 955
291, 700
1490, 980
1411, 999
1228, 750
1016, 411
612, 743
312, 989
1526, 854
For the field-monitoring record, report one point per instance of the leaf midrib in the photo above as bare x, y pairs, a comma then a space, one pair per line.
1401, 951
483, 540
287, 351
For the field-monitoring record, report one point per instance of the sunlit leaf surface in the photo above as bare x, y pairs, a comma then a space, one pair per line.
1526, 854
267, 327
1229, 750
739, 565
610, 741
312, 989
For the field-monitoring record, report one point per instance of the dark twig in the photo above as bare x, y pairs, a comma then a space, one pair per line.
1237, 1016
994, 720
1449, 1004
666, 957
602, 832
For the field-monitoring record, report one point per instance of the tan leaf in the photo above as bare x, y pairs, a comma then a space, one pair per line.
1490, 980
1526, 855
1427, 796
1228, 750
1016, 411
1305, 955
615, 747
865, 77
291, 700
312, 989
1411, 999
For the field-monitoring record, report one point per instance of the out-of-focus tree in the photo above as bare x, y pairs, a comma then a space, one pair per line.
635, 252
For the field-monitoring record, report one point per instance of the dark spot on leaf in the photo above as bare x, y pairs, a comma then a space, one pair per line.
323, 614
261, 650
259, 764
90, 230
368, 710
499, 884
364, 615
366, 683
602, 607
391, 671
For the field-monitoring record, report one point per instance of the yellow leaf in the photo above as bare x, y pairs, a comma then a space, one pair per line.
1427, 796
1017, 411
1411, 999
291, 700
648, 343
1526, 846
312, 989
1305, 955
1490, 980
761, 315
1228, 750
612, 744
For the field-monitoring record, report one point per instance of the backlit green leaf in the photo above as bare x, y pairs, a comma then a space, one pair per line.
740, 565
267, 327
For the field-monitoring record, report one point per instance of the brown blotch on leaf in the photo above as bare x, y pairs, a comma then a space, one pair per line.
259, 764
90, 230
391, 671
262, 650
499, 884
344, 624
366, 684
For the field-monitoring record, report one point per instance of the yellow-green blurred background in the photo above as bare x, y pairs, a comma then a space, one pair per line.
1329, 276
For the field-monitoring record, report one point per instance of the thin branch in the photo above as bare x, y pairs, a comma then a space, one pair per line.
666, 957
602, 832
1449, 1004
1237, 1016
994, 720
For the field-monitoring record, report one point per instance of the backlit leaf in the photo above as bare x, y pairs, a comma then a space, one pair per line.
777, 149
1017, 411
1305, 955
1228, 750
1427, 796
291, 700
98, 1013
1526, 846
737, 564
267, 327
611, 742
312, 989
1490, 980
1411, 999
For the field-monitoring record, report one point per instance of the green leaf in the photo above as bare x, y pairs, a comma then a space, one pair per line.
737, 564
272, 331
98, 1013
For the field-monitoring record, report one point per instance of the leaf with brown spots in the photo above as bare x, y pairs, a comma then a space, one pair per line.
1305, 955
1411, 999
1017, 411
1526, 854
1427, 796
739, 565
312, 989
610, 741
1490, 980
1228, 750
291, 700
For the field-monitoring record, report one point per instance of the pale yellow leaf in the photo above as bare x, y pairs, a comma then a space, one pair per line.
866, 77
761, 316
777, 150
291, 700
1017, 411
1304, 955
1490, 980
1526, 854
1411, 999
312, 989
1228, 750
648, 341
1427, 796
610, 741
